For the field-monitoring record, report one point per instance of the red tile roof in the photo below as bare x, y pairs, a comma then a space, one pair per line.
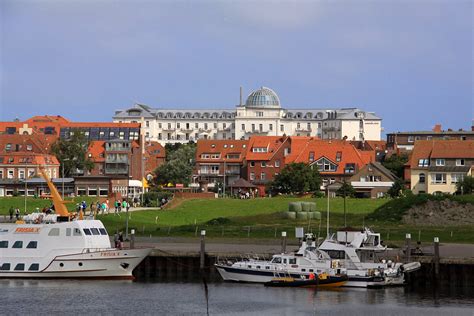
22, 158
427, 149
96, 151
330, 149
270, 143
223, 147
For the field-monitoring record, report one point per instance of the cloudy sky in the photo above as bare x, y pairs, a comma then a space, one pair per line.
408, 61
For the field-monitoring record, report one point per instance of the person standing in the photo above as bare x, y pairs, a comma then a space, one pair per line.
120, 237
124, 205
17, 213
11, 211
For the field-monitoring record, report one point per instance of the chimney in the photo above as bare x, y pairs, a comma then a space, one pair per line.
437, 128
240, 96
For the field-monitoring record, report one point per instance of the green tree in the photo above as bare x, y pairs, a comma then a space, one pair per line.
346, 190
179, 164
397, 188
296, 178
395, 163
466, 186
72, 153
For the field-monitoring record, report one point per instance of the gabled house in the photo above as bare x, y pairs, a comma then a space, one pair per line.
372, 180
438, 165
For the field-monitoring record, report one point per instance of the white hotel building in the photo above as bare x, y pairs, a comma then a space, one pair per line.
261, 114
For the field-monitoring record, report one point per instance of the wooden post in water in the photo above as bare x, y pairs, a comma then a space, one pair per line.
132, 239
408, 250
203, 249
436, 257
283, 242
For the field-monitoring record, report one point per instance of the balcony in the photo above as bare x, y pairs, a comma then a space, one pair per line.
208, 172
168, 129
303, 130
109, 159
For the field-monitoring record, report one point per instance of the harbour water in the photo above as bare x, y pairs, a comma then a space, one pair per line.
33, 297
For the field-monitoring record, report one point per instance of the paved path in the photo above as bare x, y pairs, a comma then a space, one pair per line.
245, 246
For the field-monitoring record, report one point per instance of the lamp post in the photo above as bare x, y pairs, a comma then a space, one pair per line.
62, 174
327, 219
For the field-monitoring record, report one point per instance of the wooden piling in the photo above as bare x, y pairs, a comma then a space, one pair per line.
283, 242
408, 247
436, 257
203, 250
132, 239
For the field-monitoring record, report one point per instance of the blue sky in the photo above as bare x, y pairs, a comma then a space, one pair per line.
408, 61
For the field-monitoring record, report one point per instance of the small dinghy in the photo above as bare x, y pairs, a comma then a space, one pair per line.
322, 280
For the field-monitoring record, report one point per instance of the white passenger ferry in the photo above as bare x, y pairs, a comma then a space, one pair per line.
62, 245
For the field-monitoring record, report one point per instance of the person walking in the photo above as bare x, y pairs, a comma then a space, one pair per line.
116, 205
17, 213
124, 205
11, 211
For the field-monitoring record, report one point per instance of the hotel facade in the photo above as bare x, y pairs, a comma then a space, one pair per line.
261, 115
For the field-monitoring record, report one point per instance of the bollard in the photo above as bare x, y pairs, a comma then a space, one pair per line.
132, 239
203, 249
408, 251
283, 242
436, 256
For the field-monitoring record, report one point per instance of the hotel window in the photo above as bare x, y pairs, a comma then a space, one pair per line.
308, 125
438, 178
159, 136
159, 125
440, 162
298, 125
147, 123
423, 163
168, 135
411, 139
224, 136
178, 125
253, 127
205, 125
270, 127
457, 177
252, 176
196, 125
147, 134
259, 114
429, 137
8, 147
260, 127
282, 128
169, 125
243, 127
459, 162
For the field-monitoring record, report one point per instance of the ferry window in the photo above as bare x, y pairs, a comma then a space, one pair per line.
20, 267
258, 267
4, 244
68, 231
311, 270
34, 267
77, 232
87, 231
5, 266
54, 232
95, 231
18, 244
267, 267
292, 261
284, 260
32, 244
103, 231
276, 260
303, 270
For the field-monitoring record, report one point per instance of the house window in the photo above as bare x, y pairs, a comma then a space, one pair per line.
259, 149
438, 178
411, 139
423, 163
252, 164
457, 177
350, 168
277, 163
263, 164
311, 156
338, 156
459, 162
252, 176
10, 174
440, 162
262, 176
422, 178
1, 173
325, 165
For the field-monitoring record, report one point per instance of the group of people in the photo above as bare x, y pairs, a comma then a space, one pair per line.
243, 195
15, 212
121, 206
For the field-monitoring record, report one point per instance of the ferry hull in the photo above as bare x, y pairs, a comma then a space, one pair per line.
107, 264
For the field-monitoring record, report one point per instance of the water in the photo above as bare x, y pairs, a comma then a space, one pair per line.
41, 297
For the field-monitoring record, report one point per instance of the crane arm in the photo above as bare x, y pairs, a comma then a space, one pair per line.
58, 202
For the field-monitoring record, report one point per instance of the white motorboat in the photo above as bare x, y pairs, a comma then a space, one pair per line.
62, 245
358, 253
295, 265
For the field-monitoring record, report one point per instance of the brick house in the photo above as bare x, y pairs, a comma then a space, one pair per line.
438, 165
219, 161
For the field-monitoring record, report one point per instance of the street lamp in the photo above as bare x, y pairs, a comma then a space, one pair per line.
62, 165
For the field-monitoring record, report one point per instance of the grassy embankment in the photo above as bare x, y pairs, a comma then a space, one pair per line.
33, 203
263, 218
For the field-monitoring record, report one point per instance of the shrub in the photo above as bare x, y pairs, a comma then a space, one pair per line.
153, 198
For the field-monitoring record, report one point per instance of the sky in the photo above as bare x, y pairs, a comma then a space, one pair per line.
410, 62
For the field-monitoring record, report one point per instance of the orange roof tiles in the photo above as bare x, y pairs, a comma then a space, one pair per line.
96, 151
269, 144
222, 147
426, 149
22, 158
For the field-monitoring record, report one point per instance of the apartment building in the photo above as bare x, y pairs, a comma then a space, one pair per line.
438, 165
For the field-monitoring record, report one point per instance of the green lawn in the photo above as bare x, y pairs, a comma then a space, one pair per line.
33, 203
